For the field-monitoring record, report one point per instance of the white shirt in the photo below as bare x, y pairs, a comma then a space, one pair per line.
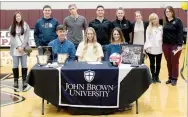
153, 44
139, 33
89, 54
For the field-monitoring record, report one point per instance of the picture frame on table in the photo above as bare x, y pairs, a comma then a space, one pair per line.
132, 54
42, 59
46, 50
62, 58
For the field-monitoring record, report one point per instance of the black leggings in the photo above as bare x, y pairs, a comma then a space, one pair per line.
155, 63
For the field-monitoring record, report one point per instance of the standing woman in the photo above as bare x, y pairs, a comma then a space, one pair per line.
153, 46
172, 40
89, 49
139, 29
117, 39
122, 23
19, 37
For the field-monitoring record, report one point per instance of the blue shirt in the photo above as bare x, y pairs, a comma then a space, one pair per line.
114, 48
63, 47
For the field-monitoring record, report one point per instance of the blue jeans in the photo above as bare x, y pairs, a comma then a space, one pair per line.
23, 60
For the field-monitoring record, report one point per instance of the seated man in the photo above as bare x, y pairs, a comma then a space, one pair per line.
61, 45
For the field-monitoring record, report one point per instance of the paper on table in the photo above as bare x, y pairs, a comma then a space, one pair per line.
94, 62
177, 50
54, 65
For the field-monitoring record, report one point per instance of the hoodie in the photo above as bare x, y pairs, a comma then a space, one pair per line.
45, 31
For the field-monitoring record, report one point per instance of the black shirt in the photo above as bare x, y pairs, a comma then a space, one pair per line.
173, 32
103, 30
125, 26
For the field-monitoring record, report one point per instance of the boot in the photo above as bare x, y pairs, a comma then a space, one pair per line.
16, 75
174, 81
24, 75
157, 74
152, 69
153, 78
169, 80
157, 78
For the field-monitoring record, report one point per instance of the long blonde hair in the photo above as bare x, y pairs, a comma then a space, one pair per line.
150, 26
94, 41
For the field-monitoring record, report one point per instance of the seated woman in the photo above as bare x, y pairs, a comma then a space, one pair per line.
117, 38
89, 49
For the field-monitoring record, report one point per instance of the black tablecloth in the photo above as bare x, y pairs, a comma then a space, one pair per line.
45, 82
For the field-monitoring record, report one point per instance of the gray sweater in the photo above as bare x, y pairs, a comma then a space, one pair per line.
16, 42
75, 28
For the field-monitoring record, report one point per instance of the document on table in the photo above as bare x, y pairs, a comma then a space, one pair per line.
53, 65
94, 62
179, 48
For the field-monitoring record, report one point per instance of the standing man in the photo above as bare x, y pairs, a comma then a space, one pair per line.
103, 29
75, 24
45, 28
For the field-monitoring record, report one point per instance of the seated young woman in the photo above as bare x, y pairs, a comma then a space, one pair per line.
89, 49
117, 39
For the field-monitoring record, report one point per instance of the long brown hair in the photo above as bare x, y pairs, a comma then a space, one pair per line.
14, 23
171, 9
122, 39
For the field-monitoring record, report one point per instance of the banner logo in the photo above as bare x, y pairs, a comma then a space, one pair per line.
89, 75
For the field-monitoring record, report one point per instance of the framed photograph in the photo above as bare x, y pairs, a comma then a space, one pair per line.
42, 59
61, 58
46, 50
132, 54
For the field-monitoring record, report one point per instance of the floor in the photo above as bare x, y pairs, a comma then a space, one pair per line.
160, 100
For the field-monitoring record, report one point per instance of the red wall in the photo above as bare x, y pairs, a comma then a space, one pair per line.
31, 16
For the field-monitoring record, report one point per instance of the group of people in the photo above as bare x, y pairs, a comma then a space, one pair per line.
102, 38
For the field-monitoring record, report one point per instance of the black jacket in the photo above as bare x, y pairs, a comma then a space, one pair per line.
145, 27
103, 30
125, 26
173, 32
